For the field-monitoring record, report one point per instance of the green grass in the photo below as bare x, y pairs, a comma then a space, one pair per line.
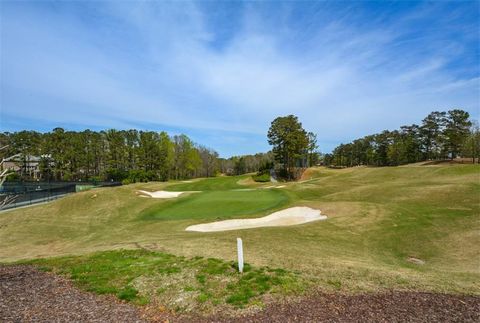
210, 184
142, 276
377, 219
227, 204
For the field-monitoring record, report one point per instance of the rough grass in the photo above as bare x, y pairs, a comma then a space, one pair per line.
378, 219
181, 284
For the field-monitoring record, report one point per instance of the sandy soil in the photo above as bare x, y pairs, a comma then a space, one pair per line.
291, 216
273, 186
161, 194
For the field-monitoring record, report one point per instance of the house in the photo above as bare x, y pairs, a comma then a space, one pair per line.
25, 164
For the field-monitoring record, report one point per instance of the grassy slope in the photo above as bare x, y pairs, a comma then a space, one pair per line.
378, 217
181, 284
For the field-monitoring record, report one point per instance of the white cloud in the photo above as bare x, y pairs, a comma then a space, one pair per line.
157, 63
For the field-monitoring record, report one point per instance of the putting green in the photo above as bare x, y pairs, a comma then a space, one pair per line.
217, 205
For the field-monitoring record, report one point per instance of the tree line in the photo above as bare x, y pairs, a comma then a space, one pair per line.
441, 135
237, 165
133, 156
127, 155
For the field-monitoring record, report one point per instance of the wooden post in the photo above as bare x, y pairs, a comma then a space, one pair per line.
240, 254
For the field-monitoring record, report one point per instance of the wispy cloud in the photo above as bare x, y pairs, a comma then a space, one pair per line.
228, 70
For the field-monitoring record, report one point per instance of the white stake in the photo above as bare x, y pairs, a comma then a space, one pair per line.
240, 254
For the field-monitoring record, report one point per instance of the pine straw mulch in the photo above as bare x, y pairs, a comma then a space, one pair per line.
28, 294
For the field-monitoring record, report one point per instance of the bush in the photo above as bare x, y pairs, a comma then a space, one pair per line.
261, 177
116, 174
13, 177
265, 167
135, 176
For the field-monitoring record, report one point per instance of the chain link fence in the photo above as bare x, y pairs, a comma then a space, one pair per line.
17, 194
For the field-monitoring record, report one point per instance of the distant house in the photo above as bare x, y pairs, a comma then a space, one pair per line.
26, 164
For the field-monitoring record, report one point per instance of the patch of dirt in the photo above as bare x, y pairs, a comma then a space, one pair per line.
247, 181
448, 162
30, 295
308, 174
416, 261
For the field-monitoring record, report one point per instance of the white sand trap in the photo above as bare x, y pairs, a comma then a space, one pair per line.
273, 186
161, 194
291, 216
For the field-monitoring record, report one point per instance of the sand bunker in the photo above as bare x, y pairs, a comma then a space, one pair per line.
161, 194
291, 216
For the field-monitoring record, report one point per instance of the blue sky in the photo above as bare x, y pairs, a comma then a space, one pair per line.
220, 72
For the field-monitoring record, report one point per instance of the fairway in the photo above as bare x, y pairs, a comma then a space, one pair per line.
379, 219
221, 183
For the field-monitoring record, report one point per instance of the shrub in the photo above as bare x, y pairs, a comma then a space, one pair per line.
116, 174
265, 167
13, 177
261, 178
137, 176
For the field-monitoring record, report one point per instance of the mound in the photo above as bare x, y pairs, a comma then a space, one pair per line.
291, 216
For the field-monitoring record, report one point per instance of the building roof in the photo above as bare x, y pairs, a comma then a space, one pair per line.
28, 158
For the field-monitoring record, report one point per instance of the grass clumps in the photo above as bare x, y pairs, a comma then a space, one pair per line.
254, 283
128, 293
181, 284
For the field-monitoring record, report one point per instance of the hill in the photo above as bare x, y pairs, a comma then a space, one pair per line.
403, 228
